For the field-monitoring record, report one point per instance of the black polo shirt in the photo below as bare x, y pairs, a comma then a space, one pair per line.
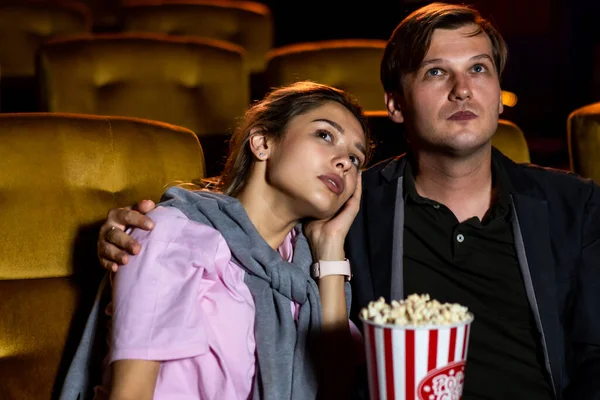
474, 263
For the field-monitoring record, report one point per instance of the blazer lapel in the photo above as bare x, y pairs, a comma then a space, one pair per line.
532, 242
383, 230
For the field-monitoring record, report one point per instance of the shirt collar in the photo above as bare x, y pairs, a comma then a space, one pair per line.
502, 200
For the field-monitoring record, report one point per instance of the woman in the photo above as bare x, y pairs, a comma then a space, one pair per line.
220, 302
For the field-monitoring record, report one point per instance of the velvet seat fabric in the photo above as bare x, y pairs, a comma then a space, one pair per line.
59, 176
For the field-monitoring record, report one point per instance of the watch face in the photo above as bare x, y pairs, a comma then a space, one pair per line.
314, 270
322, 268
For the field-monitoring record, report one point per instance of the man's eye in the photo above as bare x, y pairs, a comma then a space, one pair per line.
434, 72
479, 68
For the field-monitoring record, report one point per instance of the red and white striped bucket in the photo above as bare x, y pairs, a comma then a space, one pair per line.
416, 363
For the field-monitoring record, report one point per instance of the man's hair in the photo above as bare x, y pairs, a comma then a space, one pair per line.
411, 39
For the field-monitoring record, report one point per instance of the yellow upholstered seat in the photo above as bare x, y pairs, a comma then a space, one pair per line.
248, 24
583, 130
389, 138
350, 64
105, 14
510, 140
23, 27
200, 84
59, 175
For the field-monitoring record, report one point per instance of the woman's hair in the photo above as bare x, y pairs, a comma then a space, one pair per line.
271, 116
410, 41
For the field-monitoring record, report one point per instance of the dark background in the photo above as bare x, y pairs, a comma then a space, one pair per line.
554, 52
553, 65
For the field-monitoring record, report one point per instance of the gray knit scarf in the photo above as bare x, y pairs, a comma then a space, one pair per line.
285, 369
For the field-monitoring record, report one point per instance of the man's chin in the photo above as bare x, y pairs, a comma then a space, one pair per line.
457, 149
466, 143
463, 150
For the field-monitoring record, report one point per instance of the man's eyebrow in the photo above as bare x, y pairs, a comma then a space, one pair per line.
440, 60
424, 63
339, 128
482, 57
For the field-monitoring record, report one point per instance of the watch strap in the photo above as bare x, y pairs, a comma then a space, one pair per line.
324, 268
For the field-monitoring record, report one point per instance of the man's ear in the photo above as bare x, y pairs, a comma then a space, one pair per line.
259, 143
393, 107
500, 106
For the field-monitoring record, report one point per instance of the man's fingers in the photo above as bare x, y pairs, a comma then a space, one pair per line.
113, 218
110, 266
122, 241
110, 253
145, 206
114, 244
132, 219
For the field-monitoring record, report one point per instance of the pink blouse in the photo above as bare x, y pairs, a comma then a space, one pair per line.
183, 301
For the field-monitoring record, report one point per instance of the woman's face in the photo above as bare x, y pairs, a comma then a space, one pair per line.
316, 164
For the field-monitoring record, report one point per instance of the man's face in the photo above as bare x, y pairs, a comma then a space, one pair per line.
452, 102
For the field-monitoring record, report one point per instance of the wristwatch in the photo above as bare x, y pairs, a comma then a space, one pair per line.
324, 268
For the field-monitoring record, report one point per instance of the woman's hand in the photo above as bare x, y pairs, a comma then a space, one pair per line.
327, 237
336, 353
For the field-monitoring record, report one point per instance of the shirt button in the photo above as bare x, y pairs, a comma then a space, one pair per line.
436, 206
460, 238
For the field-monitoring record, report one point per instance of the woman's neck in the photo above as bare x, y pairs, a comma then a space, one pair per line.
268, 211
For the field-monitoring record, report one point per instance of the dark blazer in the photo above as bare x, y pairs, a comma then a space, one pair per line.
557, 238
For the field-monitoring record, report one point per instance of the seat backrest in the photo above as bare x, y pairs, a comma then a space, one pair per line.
23, 27
248, 24
105, 14
350, 64
583, 135
389, 138
200, 84
510, 140
59, 175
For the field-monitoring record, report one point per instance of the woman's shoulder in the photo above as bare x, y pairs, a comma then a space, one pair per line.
172, 226
156, 296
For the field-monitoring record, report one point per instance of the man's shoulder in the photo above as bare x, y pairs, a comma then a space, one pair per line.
549, 184
548, 178
387, 170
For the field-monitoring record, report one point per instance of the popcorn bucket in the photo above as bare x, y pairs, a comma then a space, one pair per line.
407, 362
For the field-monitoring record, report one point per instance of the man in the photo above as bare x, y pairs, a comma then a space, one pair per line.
517, 244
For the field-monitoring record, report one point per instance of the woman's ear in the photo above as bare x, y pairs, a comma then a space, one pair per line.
393, 107
259, 144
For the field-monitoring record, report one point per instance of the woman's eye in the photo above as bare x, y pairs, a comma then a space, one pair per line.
355, 160
325, 135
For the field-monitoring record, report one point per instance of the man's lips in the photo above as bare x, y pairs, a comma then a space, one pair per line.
462, 116
333, 182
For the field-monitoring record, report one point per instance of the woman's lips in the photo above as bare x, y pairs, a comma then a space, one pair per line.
333, 182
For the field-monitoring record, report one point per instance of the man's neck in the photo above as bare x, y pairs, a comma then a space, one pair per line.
463, 184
